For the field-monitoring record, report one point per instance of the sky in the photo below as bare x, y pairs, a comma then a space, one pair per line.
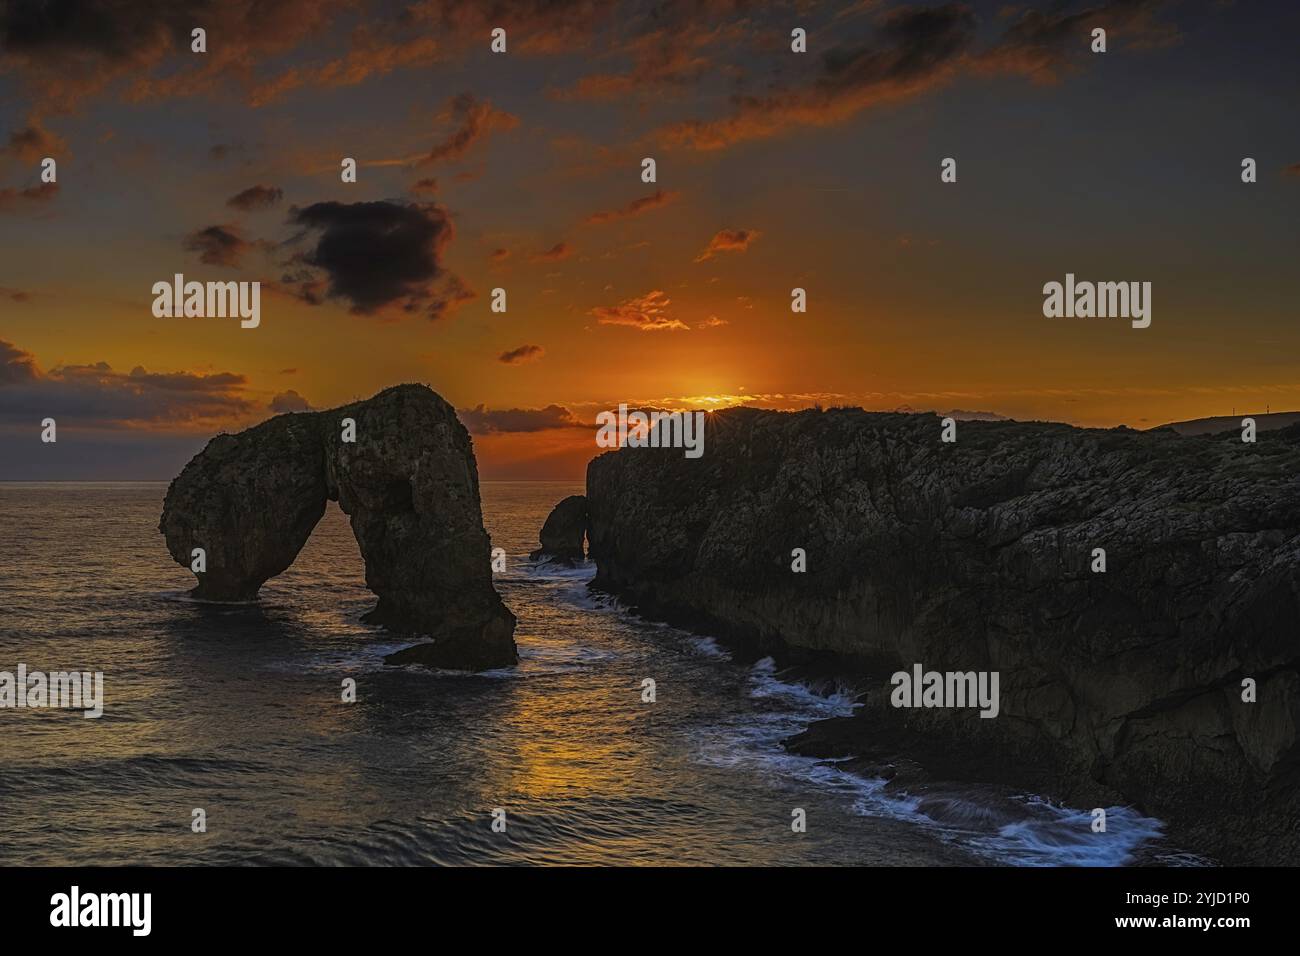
522, 170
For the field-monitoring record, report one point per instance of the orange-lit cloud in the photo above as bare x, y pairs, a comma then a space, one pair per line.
728, 240
477, 119
649, 313
11, 198
634, 208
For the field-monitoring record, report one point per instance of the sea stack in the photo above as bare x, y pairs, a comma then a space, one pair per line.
562, 535
1163, 674
403, 471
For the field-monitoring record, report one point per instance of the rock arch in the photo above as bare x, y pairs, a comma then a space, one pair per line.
409, 485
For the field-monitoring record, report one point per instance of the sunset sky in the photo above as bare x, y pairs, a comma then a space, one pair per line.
522, 171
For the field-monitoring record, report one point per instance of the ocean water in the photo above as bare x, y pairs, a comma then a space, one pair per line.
237, 710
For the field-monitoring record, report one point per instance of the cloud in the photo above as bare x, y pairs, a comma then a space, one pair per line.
290, 401
728, 240
377, 255
33, 143
962, 415
98, 396
557, 252
11, 198
256, 197
1292, 170
499, 255
481, 421
16, 365
634, 208
218, 245
1042, 46
649, 313
66, 51
713, 322
917, 49
525, 353
370, 55
666, 49
16, 295
477, 119
427, 186
454, 294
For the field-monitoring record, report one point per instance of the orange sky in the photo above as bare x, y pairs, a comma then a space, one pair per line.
775, 170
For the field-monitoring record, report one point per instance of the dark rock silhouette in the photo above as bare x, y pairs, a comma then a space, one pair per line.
1116, 687
409, 484
561, 536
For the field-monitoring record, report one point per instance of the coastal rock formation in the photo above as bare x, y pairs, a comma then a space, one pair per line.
562, 534
979, 555
409, 484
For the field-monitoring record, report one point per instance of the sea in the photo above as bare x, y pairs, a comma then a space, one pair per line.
227, 739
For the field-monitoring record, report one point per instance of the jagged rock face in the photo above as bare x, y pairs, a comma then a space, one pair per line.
562, 534
409, 484
977, 556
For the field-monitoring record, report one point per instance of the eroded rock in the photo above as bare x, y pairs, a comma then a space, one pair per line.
409, 484
562, 535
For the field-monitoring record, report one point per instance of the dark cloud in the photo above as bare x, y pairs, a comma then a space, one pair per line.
728, 240
1043, 45
15, 295
67, 50
480, 421
476, 119
915, 49
557, 252
217, 245
256, 197
649, 313
634, 208
289, 401
425, 186
525, 353
499, 255
377, 255
98, 396
16, 365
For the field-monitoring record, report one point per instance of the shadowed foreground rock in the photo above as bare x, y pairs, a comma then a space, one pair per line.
561, 536
1116, 687
409, 484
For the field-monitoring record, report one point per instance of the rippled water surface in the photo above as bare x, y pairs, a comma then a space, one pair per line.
237, 709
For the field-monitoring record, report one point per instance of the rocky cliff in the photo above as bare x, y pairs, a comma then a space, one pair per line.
409, 484
979, 555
